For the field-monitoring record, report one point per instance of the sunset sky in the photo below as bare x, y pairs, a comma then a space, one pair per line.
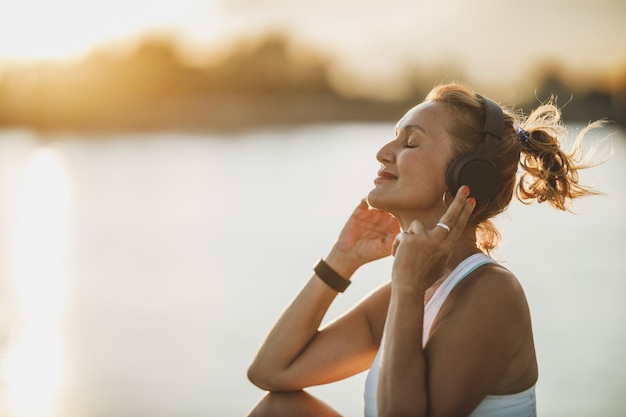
495, 40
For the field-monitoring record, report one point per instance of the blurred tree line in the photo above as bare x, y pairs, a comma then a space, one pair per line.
258, 83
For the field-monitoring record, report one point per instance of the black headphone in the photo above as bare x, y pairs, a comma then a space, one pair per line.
478, 170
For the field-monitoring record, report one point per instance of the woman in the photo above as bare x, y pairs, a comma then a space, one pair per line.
451, 334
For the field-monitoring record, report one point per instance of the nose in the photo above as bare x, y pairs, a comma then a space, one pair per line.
386, 154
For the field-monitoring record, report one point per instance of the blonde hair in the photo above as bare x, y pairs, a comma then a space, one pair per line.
549, 173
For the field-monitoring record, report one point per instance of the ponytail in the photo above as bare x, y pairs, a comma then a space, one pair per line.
550, 174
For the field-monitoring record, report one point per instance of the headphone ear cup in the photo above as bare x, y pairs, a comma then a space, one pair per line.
478, 170
453, 173
480, 175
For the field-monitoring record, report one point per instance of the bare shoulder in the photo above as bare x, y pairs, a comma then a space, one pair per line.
485, 324
492, 293
497, 283
492, 280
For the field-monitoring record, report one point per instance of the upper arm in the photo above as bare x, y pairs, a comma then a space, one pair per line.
345, 346
480, 329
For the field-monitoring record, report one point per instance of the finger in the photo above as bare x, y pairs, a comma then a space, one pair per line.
392, 233
416, 227
451, 215
362, 205
393, 224
459, 225
396, 243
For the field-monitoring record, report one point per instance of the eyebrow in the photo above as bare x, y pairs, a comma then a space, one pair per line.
412, 127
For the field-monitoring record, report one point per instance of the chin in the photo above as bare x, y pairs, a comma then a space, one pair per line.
377, 201
395, 204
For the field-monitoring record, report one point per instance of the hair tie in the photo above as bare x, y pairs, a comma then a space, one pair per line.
522, 137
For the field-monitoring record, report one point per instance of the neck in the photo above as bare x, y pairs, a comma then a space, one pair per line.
429, 217
464, 248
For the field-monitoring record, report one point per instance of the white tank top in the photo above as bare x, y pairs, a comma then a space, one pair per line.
522, 404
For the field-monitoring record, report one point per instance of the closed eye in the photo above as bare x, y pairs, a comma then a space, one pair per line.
413, 135
411, 141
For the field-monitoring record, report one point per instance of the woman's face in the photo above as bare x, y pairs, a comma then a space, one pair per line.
411, 181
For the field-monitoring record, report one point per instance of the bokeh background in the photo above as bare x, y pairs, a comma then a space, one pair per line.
170, 172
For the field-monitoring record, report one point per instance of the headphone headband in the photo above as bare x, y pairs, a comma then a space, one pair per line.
493, 127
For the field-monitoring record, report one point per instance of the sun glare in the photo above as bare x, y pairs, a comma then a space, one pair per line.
32, 371
41, 29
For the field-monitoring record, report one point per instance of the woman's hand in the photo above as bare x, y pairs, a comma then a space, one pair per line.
368, 235
420, 254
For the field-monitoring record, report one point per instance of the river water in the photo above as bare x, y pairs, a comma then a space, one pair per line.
139, 273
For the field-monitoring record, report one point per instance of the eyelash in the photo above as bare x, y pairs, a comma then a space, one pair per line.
406, 144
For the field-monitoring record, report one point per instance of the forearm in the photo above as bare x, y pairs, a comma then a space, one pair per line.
402, 386
295, 329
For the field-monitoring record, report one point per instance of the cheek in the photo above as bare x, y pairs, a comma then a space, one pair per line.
427, 184
424, 172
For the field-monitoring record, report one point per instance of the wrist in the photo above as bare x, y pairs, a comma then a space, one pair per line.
407, 284
342, 263
408, 295
330, 277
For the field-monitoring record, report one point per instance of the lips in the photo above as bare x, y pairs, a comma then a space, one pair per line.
385, 176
